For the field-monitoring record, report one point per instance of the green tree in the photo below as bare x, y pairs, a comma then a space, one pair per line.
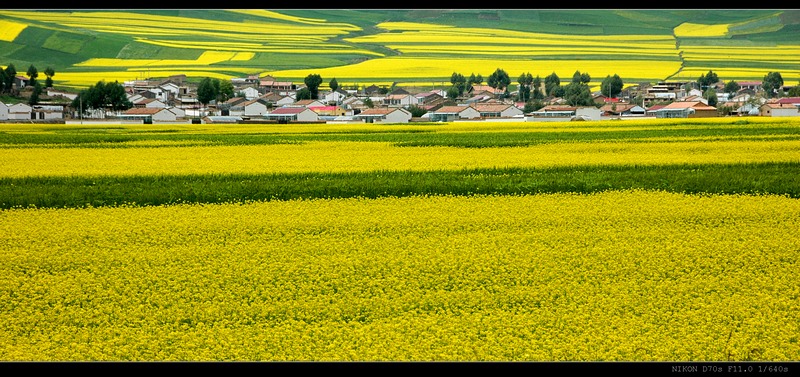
578, 94
551, 83
525, 80
32, 73
103, 96
453, 92
772, 84
732, 87
711, 96
707, 80
11, 73
2, 80
313, 81
49, 72
37, 91
368, 102
225, 90
499, 79
611, 86
333, 84
206, 91
794, 92
303, 93
459, 82
416, 111
537, 88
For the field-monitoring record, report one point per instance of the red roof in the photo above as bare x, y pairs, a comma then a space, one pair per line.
288, 110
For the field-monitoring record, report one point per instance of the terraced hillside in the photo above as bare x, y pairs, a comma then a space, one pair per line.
412, 46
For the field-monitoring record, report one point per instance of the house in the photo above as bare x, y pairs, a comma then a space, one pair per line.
221, 119
47, 112
149, 114
564, 113
20, 81
353, 102
329, 111
687, 109
452, 113
250, 93
429, 98
307, 103
171, 90
254, 108
58, 93
293, 114
791, 100
150, 102
554, 111
373, 90
3, 111
622, 109
477, 88
268, 83
483, 96
20, 111
754, 86
776, 109
399, 100
492, 110
665, 91
336, 96
384, 115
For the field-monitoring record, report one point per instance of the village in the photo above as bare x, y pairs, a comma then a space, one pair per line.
265, 99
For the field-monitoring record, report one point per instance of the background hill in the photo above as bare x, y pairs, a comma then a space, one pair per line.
411, 46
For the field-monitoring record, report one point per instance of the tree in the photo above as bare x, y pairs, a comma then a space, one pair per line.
551, 82
537, 88
33, 73
794, 92
711, 96
333, 84
611, 85
499, 79
49, 72
578, 94
303, 93
368, 102
103, 96
11, 73
525, 81
453, 92
732, 87
37, 91
313, 82
707, 80
2, 79
772, 84
206, 92
533, 105
416, 111
225, 90
459, 82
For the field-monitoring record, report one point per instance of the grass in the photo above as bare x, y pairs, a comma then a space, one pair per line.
79, 192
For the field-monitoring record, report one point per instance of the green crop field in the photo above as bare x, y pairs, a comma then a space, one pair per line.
362, 47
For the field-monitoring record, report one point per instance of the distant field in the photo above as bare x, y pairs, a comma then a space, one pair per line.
377, 47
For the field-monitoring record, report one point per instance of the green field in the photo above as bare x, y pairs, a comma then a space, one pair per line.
317, 41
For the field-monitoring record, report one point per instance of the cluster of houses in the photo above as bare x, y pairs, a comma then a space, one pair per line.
268, 100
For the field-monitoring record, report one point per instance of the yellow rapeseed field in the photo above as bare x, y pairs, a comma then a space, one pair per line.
614, 276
